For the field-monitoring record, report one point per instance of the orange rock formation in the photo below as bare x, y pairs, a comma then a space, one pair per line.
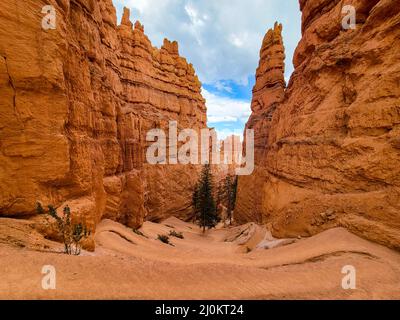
327, 145
75, 106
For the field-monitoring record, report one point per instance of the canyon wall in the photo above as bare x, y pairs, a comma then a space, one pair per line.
76, 103
327, 146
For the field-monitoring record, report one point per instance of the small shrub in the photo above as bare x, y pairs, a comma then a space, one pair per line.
164, 238
175, 234
139, 233
72, 234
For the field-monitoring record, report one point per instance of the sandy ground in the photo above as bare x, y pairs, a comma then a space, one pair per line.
223, 264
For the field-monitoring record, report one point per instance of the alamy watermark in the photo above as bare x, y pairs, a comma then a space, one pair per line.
49, 279
349, 280
50, 19
190, 147
349, 21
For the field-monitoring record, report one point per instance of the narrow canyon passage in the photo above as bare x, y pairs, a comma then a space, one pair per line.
80, 103
224, 262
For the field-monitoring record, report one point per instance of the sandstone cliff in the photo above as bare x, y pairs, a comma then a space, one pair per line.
75, 105
327, 145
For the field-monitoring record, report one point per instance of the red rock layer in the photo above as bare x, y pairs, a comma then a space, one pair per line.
75, 106
328, 152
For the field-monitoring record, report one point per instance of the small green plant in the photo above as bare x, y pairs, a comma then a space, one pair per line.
175, 234
72, 234
164, 238
139, 233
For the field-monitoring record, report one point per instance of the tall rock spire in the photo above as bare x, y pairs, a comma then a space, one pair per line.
126, 18
269, 89
270, 80
268, 93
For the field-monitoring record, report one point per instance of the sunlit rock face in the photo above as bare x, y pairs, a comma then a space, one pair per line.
76, 103
328, 145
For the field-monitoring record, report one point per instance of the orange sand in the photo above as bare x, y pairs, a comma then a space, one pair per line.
212, 266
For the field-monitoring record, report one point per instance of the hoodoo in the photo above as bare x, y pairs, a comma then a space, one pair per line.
327, 146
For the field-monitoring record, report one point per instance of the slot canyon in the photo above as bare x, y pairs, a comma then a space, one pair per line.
77, 102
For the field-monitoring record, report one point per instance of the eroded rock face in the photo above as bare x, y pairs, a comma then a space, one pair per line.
75, 106
327, 151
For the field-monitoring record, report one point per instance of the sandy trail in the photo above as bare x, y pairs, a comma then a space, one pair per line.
223, 264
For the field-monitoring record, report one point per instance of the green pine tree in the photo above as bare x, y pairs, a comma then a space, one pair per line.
220, 194
203, 201
230, 192
196, 201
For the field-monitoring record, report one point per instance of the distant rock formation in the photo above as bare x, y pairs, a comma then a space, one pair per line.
327, 146
75, 106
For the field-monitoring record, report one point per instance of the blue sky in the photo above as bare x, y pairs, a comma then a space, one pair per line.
222, 38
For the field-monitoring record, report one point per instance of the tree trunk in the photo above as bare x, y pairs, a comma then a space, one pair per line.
204, 223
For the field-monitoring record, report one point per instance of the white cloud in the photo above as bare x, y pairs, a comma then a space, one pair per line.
141, 5
220, 86
193, 15
222, 109
238, 40
219, 119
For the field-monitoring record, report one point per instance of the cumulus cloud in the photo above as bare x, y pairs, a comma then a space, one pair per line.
222, 86
224, 109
